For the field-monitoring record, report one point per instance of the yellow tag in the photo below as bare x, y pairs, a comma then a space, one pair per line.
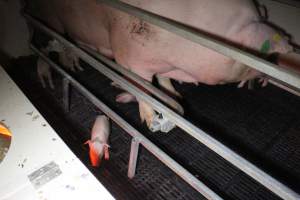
277, 37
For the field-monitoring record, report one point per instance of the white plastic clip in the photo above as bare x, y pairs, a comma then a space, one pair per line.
161, 123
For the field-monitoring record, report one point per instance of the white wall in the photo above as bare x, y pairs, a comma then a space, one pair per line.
14, 33
285, 16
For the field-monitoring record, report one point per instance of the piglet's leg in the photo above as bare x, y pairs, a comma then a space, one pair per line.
69, 59
44, 72
125, 97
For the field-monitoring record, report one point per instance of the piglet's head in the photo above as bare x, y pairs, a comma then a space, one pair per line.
98, 149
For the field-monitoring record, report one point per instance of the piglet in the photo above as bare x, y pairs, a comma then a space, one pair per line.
99, 140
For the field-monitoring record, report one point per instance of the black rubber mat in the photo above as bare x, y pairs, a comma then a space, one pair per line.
262, 125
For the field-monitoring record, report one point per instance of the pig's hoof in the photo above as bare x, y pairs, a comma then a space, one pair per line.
179, 109
177, 94
146, 113
116, 85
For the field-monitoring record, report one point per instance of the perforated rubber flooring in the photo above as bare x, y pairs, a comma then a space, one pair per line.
262, 125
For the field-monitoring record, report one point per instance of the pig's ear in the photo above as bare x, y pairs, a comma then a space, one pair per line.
88, 142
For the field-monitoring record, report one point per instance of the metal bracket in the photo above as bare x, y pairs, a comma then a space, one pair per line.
161, 123
44, 175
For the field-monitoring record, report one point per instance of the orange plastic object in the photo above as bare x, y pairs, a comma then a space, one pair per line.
5, 131
94, 157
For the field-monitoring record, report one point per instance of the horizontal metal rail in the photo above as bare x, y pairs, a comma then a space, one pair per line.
260, 176
167, 160
285, 87
294, 3
288, 76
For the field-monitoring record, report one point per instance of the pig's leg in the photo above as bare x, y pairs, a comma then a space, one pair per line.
166, 84
147, 113
124, 97
44, 73
69, 59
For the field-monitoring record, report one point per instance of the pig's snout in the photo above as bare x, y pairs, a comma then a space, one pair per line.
97, 150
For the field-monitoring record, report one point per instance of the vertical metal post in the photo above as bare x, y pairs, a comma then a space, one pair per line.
66, 94
134, 150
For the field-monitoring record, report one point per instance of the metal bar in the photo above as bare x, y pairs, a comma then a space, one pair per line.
294, 3
288, 76
162, 156
285, 87
148, 86
134, 151
238, 161
66, 94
